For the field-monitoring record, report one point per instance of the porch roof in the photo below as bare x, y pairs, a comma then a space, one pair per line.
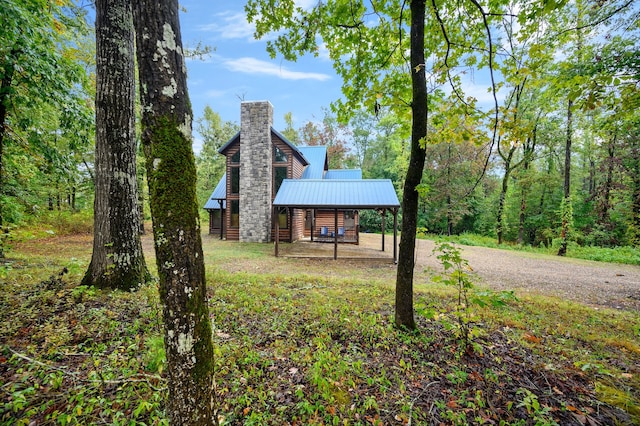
343, 174
219, 194
334, 193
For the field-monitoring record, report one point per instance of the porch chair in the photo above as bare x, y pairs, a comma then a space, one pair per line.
324, 232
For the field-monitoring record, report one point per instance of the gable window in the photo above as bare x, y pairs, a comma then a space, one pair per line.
280, 174
235, 180
235, 158
235, 213
279, 155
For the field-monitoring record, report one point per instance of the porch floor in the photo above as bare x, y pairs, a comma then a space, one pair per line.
369, 248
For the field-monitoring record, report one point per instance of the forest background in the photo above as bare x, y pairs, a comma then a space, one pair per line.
569, 113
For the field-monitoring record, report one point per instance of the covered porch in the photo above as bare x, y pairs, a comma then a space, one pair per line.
337, 196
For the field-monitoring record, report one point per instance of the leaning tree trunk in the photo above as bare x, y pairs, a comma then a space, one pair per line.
118, 259
171, 175
566, 209
406, 260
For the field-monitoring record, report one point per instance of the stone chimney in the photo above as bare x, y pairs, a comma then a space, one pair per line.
256, 180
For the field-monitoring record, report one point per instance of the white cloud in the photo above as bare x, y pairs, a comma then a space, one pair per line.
231, 25
323, 52
256, 66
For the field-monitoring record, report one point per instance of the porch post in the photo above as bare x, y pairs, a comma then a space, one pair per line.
335, 235
275, 211
383, 214
221, 219
312, 218
289, 222
395, 236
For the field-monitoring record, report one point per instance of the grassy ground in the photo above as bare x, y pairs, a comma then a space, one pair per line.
295, 344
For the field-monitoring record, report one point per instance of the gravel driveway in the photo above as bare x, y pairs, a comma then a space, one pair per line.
593, 283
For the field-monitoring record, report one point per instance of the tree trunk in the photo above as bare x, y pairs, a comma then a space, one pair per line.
503, 195
5, 90
566, 205
406, 259
171, 175
118, 259
605, 206
632, 165
524, 192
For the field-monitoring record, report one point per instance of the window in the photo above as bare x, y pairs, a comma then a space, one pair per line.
280, 174
235, 180
235, 213
216, 215
350, 219
279, 155
282, 218
235, 158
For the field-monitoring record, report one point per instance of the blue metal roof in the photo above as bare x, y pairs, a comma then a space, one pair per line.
350, 193
317, 158
343, 174
220, 193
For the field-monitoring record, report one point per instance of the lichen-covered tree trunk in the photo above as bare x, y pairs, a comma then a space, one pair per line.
406, 257
171, 175
117, 260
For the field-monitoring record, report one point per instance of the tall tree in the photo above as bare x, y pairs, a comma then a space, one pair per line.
566, 207
406, 259
332, 134
289, 132
171, 175
117, 260
36, 67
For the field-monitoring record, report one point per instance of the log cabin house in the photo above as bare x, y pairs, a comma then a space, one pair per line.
274, 188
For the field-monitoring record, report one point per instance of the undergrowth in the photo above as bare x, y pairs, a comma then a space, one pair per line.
623, 255
302, 348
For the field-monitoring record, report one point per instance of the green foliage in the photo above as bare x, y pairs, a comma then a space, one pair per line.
541, 415
46, 126
456, 275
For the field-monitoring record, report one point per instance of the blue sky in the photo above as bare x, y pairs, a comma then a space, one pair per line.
240, 68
